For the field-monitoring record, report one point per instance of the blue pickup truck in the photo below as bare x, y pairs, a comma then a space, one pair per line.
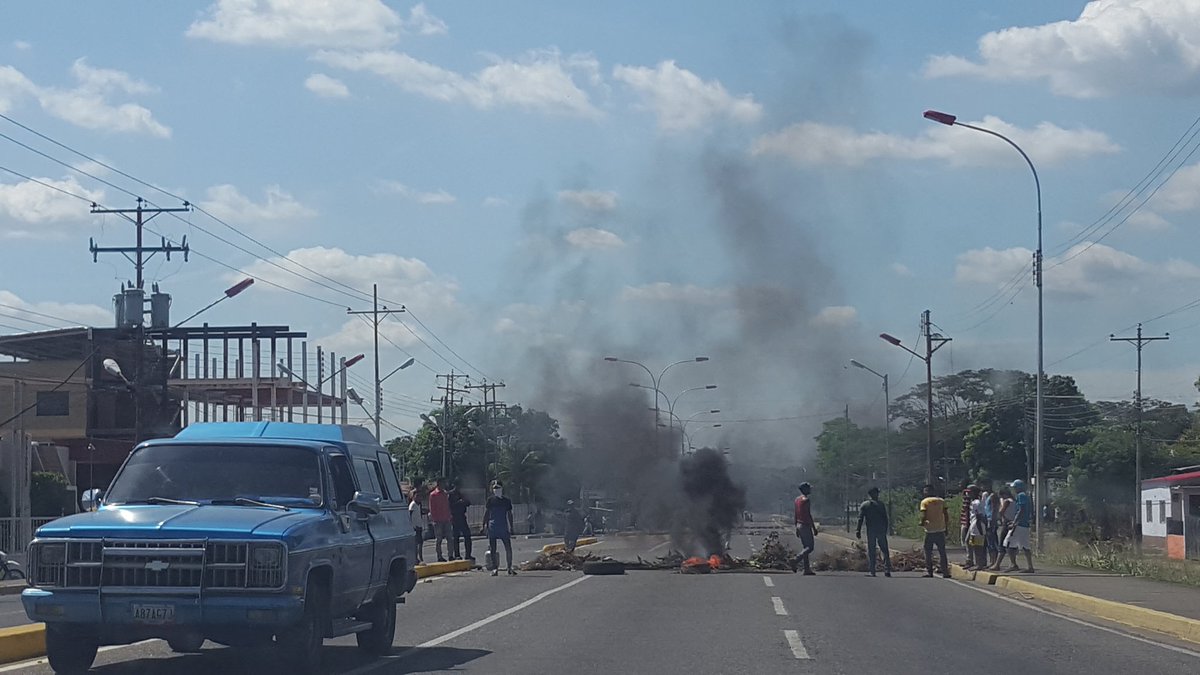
242, 533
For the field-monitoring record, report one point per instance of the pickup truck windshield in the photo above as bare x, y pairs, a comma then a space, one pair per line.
219, 473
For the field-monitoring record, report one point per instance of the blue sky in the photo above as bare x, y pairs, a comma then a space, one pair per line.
546, 183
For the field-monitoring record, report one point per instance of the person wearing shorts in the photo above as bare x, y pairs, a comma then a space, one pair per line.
1018, 536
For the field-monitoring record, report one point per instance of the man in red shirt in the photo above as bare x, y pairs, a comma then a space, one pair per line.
806, 528
439, 515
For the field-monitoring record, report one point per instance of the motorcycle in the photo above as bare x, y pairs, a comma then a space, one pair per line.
9, 568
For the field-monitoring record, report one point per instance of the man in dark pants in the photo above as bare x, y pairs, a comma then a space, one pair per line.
499, 520
806, 527
572, 527
874, 513
458, 523
935, 517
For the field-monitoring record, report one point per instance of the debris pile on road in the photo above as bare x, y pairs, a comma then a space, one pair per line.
774, 555
854, 559
671, 561
695, 565
558, 561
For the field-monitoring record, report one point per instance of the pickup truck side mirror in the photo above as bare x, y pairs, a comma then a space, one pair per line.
365, 504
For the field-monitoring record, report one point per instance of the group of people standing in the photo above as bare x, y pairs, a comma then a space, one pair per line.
441, 514
992, 523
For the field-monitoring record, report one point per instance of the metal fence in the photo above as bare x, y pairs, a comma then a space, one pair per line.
16, 533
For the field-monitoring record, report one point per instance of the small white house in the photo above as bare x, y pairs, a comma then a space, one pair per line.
1169, 514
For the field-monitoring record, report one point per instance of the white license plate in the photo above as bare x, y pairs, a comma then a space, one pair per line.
154, 613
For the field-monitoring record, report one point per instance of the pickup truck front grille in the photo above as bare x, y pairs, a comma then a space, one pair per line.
156, 564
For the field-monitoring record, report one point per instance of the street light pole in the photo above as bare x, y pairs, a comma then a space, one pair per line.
951, 120
656, 381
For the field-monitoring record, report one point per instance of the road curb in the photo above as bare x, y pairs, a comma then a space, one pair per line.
434, 569
22, 642
1130, 615
553, 548
12, 588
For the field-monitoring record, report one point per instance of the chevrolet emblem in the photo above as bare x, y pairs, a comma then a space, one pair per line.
158, 565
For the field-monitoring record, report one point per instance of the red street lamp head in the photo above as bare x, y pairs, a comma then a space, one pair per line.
701, 359
239, 287
710, 386
355, 359
889, 338
941, 117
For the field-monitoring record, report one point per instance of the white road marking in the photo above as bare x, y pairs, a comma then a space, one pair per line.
388, 661
779, 608
1081, 622
798, 650
42, 660
769, 582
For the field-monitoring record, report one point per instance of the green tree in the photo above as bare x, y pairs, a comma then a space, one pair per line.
48, 495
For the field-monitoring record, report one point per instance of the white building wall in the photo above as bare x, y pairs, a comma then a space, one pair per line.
1154, 523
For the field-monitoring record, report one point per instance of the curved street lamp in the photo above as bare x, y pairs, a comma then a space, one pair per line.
951, 120
656, 381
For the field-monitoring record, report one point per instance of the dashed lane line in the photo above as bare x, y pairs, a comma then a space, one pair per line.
779, 608
797, 645
770, 583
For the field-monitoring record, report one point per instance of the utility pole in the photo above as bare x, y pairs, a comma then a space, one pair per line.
449, 399
930, 347
489, 408
846, 469
375, 313
1139, 342
141, 255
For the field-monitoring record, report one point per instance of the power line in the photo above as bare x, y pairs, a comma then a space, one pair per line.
442, 343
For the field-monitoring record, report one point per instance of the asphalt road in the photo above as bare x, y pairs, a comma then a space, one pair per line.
659, 622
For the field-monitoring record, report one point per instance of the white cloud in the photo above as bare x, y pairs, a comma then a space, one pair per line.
901, 270
363, 24
422, 22
541, 81
684, 102
495, 202
838, 316
1114, 47
663, 291
1083, 271
326, 87
227, 203
21, 45
87, 105
71, 314
1181, 193
409, 280
592, 238
356, 335
598, 201
812, 143
32, 207
436, 197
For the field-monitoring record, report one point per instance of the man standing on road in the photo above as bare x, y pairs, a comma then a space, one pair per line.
458, 524
806, 527
935, 516
1018, 537
875, 515
499, 519
572, 527
976, 540
439, 515
991, 511
964, 521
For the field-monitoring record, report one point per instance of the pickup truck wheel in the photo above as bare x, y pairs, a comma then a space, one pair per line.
69, 652
300, 644
377, 640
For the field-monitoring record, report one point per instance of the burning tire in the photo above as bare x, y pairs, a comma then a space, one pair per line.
604, 567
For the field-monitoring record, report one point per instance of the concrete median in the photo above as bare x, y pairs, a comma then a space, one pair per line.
553, 548
22, 642
436, 568
1130, 615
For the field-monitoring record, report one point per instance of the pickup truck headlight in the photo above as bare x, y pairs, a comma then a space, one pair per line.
52, 554
266, 556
